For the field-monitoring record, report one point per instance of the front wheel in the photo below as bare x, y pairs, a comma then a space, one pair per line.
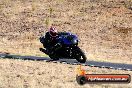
80, 56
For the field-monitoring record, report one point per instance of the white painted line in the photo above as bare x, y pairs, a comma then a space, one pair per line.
103, 66
64, 62
74, 63
54, 61
119, 68
84, 65
128, 69
111, 67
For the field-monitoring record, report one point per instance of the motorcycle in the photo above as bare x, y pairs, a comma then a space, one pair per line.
68, 49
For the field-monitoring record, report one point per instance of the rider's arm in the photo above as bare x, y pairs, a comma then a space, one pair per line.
47, 37
41, 39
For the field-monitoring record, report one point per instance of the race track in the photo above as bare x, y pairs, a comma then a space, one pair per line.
118, 66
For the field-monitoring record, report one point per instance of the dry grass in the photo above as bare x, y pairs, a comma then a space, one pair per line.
36, 74
100, 25
103, 26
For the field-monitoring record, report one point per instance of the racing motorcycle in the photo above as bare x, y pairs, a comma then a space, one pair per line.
69, 48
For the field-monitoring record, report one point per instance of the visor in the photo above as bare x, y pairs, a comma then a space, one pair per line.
53, 34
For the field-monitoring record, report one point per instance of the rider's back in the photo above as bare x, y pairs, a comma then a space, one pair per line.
49, 40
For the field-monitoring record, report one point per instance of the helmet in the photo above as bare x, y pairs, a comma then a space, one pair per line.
53, 32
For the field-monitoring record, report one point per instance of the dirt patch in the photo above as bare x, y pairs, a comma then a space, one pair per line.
37, 74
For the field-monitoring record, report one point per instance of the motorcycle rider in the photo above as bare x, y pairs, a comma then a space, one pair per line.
49, 41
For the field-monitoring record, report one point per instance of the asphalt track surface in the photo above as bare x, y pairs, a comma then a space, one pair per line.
117, 66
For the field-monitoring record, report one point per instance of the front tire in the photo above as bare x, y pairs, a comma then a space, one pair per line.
80, 56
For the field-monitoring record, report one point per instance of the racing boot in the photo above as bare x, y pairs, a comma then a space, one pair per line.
44, 51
